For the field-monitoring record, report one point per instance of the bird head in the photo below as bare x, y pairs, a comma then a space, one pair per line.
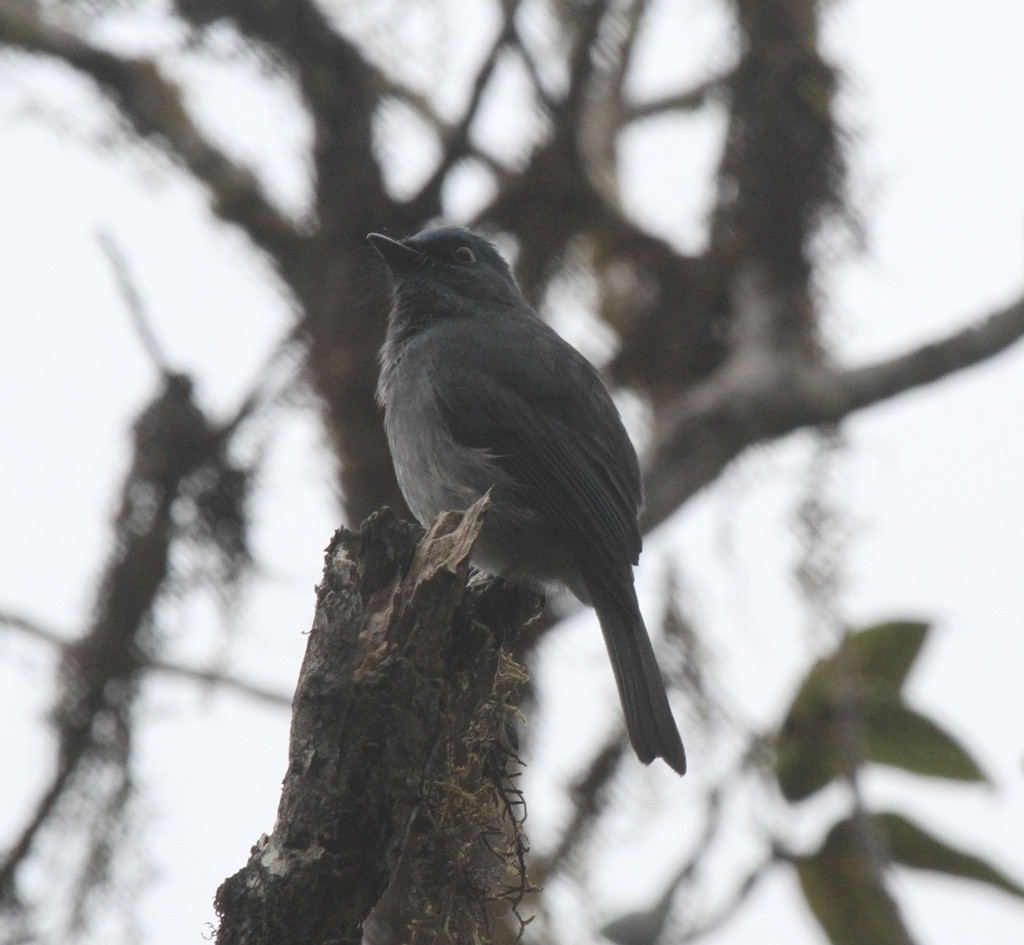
449, 269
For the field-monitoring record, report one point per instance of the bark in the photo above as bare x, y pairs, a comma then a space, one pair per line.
402, 715
754, 400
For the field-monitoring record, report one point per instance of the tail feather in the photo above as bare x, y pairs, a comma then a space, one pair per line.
649, 722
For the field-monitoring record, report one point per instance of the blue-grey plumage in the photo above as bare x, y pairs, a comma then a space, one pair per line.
480, 394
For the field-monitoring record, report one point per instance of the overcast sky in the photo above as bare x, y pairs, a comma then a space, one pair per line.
930, 484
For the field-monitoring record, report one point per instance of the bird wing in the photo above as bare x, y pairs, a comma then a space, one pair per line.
538, 407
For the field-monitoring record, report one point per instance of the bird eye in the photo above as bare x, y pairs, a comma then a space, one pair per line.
464, 255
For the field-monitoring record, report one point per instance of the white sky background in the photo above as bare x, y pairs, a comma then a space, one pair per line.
931, 482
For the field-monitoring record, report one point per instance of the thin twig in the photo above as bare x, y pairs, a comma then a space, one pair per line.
21, 847
154, 107
713, 803
133, 301
457, 139
820, 523
261, 390
728, 909
33, 629
589, 797
687, 100
518, 42
392, 87
633, 16
196, 674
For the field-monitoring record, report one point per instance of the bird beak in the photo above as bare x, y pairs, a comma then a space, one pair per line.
398, 256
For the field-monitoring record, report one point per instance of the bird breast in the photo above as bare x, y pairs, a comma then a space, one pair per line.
435, 473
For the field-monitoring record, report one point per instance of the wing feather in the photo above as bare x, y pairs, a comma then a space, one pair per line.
551, 425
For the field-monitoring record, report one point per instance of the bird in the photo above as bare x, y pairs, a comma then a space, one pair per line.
480, 394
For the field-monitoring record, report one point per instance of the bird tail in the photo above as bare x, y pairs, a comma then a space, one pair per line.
652, 730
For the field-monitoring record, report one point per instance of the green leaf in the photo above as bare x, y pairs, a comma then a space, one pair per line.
849, 905
841, 892
642, 928
912, 845
805, 751
637, 928
808, 753
895, 734
800, 769
885, 653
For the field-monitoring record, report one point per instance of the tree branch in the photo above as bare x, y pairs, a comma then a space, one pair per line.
544, 97
196, 674
153, 106
328, 65
133, 302
687, 100
582, 61
978, 342
343, 324
389, 86
337, 84
728, 909
630, 18
400, 718
456, 141
746, 403
99, 673
589, 794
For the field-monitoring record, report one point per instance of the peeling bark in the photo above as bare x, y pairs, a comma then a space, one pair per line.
403, 693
